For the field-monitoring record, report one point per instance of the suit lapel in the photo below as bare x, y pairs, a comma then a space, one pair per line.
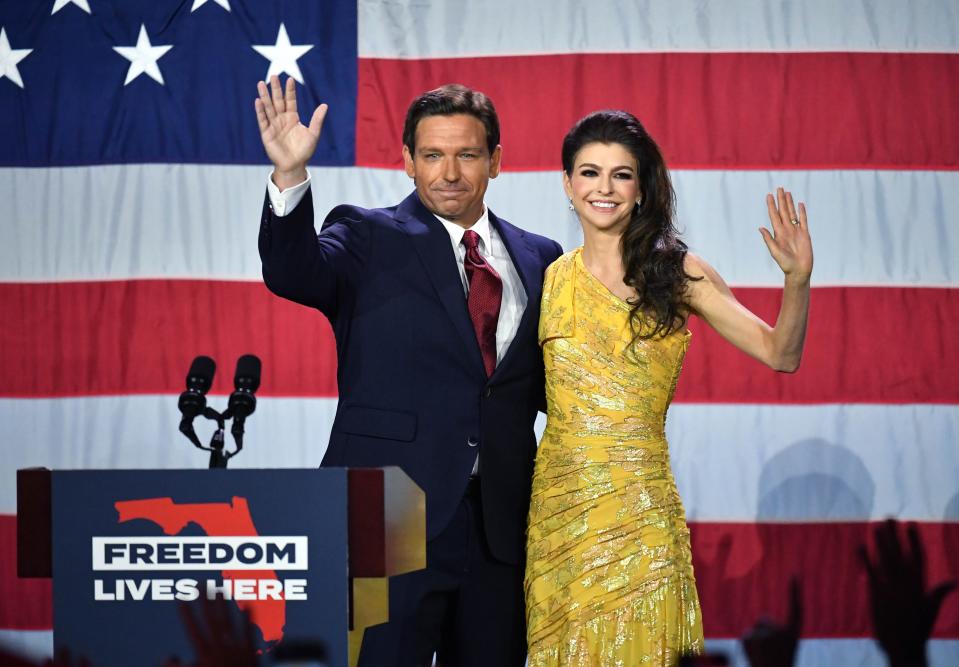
432, 244
529, 268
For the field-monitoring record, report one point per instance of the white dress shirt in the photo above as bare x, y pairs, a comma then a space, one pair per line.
286, 201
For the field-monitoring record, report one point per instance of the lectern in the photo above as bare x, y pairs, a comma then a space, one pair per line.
308, 553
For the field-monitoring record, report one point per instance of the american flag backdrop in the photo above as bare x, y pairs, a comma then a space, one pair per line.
132, 176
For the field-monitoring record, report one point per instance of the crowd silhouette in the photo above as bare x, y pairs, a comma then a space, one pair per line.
902, 604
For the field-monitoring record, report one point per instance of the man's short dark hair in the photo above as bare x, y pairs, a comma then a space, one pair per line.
448, 100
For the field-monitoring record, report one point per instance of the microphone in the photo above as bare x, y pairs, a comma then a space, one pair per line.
242, 402
246, 381
192, 402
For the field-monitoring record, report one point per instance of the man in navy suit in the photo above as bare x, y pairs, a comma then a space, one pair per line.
434, 304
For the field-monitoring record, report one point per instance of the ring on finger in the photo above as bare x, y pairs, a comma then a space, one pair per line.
795, 221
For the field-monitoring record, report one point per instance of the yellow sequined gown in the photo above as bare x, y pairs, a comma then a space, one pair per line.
609, 577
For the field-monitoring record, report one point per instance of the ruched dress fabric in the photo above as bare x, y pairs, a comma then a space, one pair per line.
609, 577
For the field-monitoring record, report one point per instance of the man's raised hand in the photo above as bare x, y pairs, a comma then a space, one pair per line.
289, 143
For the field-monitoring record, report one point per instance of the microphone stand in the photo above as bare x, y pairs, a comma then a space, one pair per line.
218, 455
217, 448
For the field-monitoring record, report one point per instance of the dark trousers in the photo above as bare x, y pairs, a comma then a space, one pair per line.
465, 606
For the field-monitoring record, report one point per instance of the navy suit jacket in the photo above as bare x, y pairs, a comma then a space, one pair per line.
412, 388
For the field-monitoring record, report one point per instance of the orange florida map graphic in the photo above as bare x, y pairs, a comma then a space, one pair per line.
216, 520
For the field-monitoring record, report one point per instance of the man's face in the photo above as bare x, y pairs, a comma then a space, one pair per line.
451, 166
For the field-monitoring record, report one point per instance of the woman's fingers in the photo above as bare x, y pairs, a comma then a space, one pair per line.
773, 212
770, 242
788, 243
783, 201
784, 214
791, 207
802, 217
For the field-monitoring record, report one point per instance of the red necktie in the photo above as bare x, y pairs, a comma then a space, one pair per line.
485, 296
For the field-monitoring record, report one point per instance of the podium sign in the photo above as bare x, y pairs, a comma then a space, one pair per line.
131, 546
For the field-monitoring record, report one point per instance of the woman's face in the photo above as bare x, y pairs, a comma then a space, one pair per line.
603, 186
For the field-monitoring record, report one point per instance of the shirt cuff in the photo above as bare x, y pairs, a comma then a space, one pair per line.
284, 202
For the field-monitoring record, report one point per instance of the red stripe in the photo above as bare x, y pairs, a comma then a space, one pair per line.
742, 572
706, 110
139, 336
27, 603
865, 344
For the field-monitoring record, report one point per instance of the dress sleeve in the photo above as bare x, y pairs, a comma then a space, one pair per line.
557, 316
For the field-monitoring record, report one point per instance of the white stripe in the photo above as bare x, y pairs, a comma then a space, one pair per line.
443, 29
136, 432
732, 462
845, 652
816, 463
32, 644
193, 221
38, 645
868, 227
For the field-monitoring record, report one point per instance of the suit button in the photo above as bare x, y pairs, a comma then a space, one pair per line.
472, 442
489, 392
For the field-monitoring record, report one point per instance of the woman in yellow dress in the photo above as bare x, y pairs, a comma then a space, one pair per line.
609, 577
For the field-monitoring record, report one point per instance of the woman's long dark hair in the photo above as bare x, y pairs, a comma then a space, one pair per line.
653, 254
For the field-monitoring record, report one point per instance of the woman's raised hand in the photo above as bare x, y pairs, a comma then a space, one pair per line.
789, 241
289, 143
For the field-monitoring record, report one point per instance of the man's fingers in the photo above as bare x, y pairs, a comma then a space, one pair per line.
937, 595
218, 621
889, 551
916, 554
867, 563
277, 94
266, 100
316, 122
247, 626
261, 118
290, 94
795, 618
197, 638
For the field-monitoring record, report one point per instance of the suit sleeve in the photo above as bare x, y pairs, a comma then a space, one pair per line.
557, 252
316, 270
